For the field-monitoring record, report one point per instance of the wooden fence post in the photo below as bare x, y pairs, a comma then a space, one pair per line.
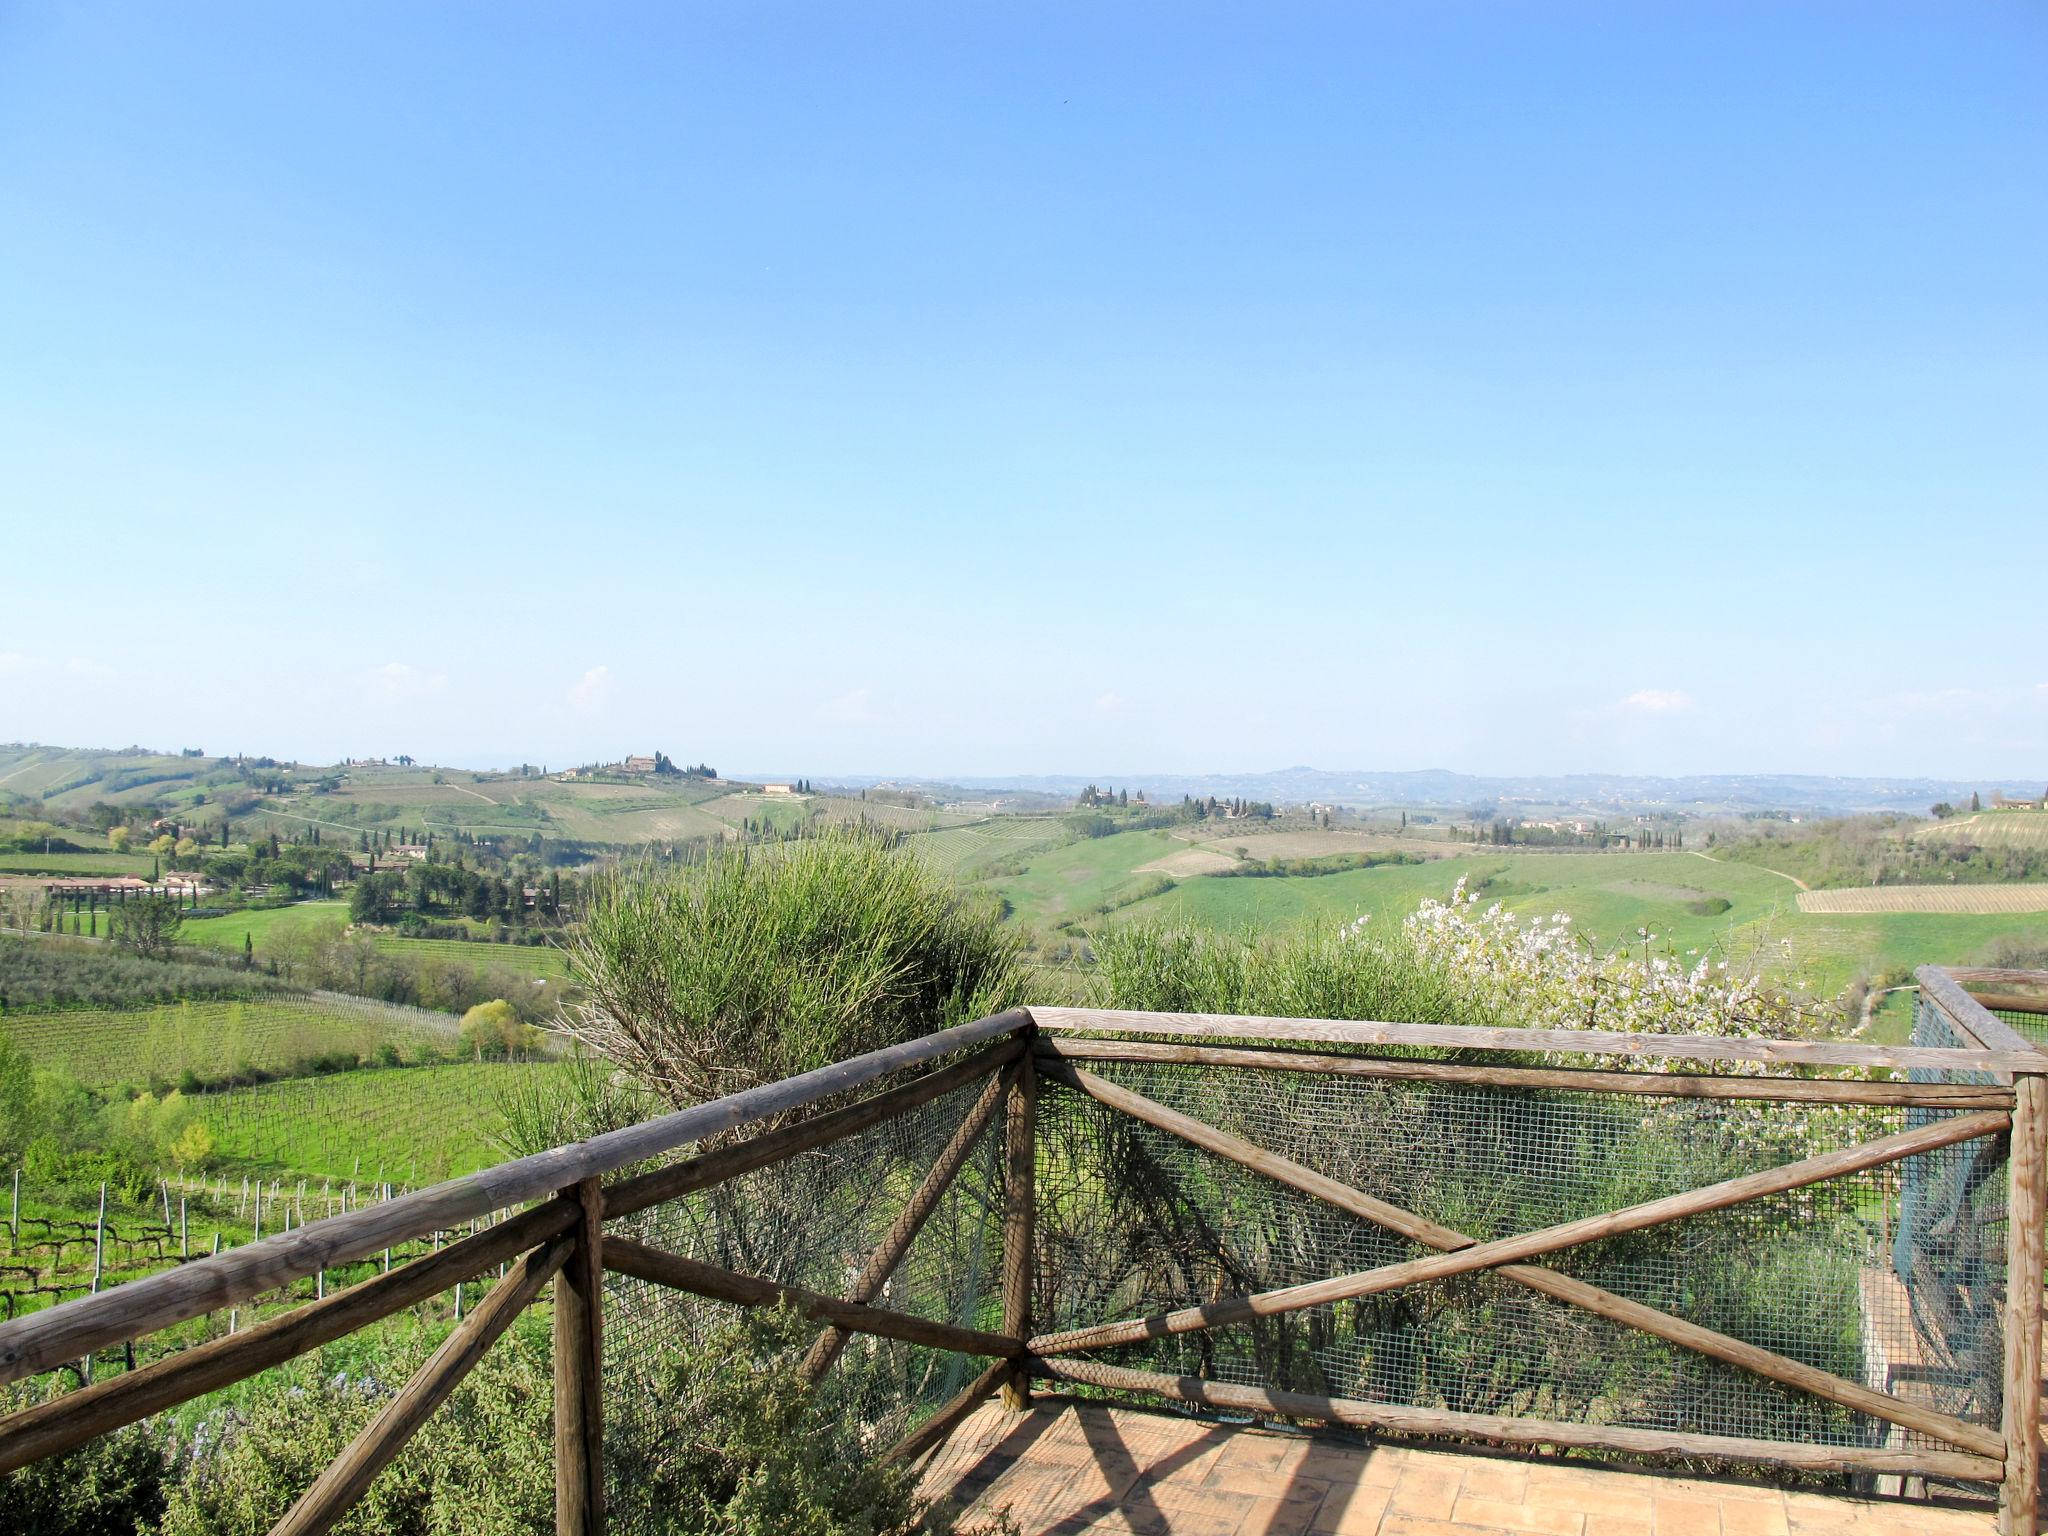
1019, 1196
2019, 1496
579, 1364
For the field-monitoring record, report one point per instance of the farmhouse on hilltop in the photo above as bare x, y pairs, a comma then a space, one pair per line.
638, 765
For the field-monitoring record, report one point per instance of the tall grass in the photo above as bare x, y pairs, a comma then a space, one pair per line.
764, 963
1321, 972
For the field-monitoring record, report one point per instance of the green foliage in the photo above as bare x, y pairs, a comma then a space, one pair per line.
750, 1452
756, 966
1321, 971
110, 1486
1310, 868
1709, 906
148, 925
495, 1029
479, 1465
59, 973
376, 898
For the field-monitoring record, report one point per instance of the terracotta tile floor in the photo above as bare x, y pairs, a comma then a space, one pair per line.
1070, 1468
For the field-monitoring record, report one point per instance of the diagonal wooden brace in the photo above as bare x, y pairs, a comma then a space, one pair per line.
903, 1232
1763, 1362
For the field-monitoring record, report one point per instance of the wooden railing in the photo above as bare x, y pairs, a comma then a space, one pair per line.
561, 1199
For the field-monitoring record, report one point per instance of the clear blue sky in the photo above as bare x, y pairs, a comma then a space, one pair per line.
971, 388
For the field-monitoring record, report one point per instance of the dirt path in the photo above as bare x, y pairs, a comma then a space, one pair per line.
461, 790
34, 762
1764, 867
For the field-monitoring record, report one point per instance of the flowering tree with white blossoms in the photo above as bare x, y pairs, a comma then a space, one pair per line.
1544, 975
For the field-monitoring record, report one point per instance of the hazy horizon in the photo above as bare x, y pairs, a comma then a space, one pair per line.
1001, 391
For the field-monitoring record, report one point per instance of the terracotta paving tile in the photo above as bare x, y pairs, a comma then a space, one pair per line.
1068, 1469
1548, 1519
1754, 1517
1678, 1514
1428, 1491
1594, 1493
1354, 1511
1290, 1516
1504, 1480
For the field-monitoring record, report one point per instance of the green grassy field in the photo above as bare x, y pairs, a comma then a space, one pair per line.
960, 851
107, 1047
1609, 895
312, 921
76, 864
527, 959
317, 921
66, 779
1070, 883
413, 1125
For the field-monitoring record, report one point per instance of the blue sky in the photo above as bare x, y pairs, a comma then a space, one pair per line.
1038, 388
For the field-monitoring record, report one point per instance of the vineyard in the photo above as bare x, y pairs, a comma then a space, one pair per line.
218, 1041
62, 1243
1991, 829
1975, 900
959, 851
417, 1125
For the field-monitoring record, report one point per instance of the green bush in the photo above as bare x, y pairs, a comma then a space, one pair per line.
749, 1452
762, 963
1321, 972
481, 1465
109, 1486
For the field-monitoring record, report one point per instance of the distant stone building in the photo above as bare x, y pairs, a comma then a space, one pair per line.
638, 765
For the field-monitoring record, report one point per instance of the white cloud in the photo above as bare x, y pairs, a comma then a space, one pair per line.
403, 680
854, 707
592, 691
14, 661
1656, 701
1109, 704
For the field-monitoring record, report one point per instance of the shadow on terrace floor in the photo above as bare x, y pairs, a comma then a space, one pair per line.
1069, 1467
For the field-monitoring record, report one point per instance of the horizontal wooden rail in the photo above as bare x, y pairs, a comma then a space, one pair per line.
2011, 1002
63, 1422
1976, 1022
1666, 1085
1582, 1042
671, 1183
686, 1274
1529, 1245
1769, 1364
45, 1339
1519, 1431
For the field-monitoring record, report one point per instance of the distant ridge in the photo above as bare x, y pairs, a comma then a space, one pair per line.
1441, 787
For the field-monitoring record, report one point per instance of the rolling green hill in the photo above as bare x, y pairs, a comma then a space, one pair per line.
1613, 898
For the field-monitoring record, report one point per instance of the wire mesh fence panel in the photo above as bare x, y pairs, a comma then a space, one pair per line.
810, 1221
1135, 1221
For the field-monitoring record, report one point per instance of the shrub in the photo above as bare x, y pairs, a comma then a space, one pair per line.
113, 1485
750, 1452
759, 964
478, 1465
1320, 972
